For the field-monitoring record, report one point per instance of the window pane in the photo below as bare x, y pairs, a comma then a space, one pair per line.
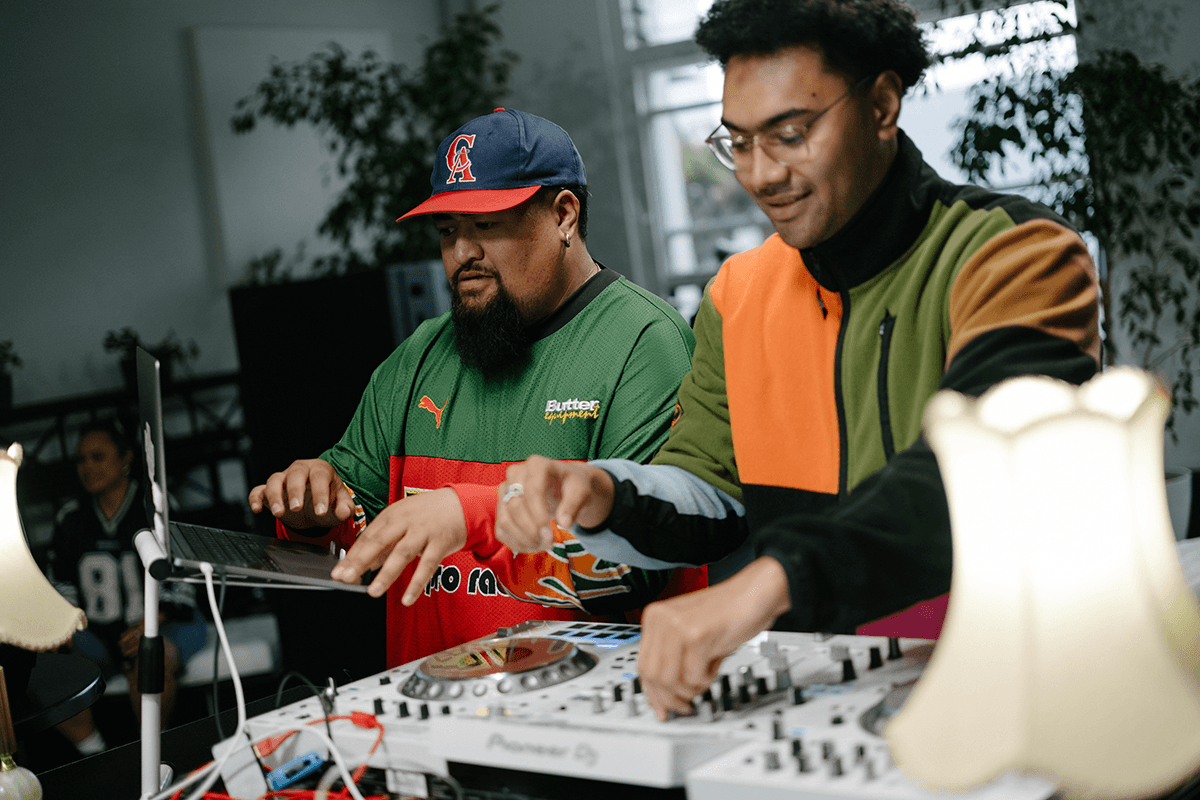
685, 85
700, 203
703, 251
651, 22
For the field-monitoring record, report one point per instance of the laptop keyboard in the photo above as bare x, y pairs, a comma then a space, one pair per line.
225, 547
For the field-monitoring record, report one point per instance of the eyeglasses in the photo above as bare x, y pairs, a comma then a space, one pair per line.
785, 143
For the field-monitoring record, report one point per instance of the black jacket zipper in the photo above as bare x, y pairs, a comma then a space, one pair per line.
881, 383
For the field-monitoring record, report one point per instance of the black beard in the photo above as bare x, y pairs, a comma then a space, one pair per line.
490, 339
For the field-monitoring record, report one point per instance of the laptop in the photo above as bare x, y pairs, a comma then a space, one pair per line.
241, 558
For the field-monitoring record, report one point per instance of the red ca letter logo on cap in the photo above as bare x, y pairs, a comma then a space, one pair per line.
458, 159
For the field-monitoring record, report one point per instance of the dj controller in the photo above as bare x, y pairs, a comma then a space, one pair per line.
555, 710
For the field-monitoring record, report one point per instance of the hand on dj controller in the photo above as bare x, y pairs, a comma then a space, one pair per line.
535, 489
685, 638
308, 493
428, 525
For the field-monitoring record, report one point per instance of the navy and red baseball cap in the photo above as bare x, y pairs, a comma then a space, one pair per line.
498, 161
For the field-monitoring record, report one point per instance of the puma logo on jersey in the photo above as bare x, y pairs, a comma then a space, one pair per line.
563, 410
428, 405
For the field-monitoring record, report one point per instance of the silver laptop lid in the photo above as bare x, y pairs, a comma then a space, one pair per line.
150, 409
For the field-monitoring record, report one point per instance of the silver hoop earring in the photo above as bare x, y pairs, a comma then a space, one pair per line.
567, 241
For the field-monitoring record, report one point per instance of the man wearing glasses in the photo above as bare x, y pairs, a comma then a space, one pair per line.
798, 428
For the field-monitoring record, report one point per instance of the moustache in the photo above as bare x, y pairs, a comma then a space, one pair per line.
457, 276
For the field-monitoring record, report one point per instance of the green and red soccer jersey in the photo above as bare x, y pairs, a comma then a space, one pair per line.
600, 381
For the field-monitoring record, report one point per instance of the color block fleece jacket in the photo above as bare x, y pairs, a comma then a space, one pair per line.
800, 421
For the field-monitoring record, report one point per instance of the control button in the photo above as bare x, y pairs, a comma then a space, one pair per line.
385, 680
424, 711
797, 746
403, 710
445, 711
848, 673
826, 750
435, 690
726, 693
378, 706
618, 692
637, 684
505, 686
894, 648
772, 760
783, 679
455, 691
836, 720
479, 689
876, 659
835, 766
529, 681
777, 726
798, 698
747, 677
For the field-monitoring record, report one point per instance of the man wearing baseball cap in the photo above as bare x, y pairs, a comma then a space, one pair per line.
543, 351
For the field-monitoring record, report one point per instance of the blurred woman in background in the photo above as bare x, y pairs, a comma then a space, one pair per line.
94, 564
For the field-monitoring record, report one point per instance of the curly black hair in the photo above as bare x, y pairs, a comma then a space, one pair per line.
859, 38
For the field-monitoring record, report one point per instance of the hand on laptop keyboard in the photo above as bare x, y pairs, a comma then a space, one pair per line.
307, 494
429, 526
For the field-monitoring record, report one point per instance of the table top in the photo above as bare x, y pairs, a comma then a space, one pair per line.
60, 686
185, 748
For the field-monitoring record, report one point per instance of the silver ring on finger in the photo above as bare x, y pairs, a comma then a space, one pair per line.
514, 490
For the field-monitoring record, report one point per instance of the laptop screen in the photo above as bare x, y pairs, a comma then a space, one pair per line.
150, 408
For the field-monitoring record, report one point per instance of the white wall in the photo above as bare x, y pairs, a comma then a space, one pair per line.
104, 200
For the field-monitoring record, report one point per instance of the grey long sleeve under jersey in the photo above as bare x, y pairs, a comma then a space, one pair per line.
666, 516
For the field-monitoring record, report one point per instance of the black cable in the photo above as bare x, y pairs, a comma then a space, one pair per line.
326, 704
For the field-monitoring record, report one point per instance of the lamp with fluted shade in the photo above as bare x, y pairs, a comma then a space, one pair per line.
1071, 646
33, 615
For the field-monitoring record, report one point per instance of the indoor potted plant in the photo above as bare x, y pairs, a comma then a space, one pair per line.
383, 122
1115, 142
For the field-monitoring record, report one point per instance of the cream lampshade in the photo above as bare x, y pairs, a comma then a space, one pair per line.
33, 616
1071, 647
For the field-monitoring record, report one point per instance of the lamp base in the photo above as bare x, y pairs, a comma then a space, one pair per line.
18, 783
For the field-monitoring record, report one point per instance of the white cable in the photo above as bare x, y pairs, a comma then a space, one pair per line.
338, 759
213, 771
